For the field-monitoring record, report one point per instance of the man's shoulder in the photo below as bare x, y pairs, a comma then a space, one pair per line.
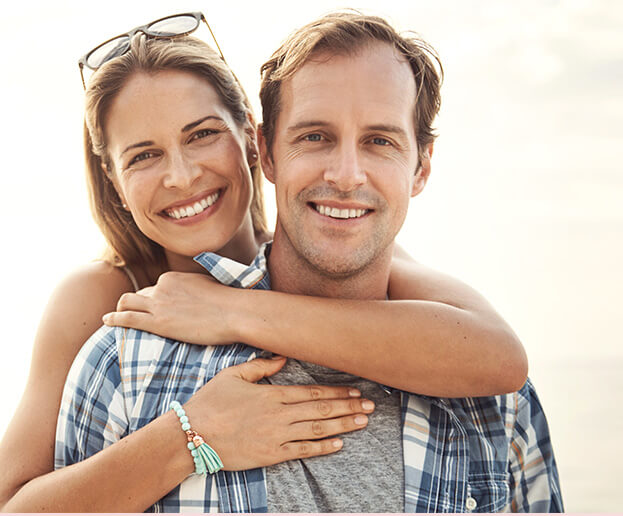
489, 414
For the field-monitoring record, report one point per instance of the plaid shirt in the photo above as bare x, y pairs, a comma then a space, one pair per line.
460, 455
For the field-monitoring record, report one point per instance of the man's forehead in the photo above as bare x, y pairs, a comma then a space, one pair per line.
374, 81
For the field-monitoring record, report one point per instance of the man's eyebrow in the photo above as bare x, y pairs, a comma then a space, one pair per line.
387, 128
136, 145
304, 124
194, 124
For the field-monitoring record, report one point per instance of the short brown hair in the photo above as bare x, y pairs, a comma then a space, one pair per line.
346, 33
127, 244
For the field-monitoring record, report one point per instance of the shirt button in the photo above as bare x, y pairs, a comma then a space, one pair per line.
470, 503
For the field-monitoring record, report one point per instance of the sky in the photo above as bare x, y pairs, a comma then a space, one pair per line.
524, 202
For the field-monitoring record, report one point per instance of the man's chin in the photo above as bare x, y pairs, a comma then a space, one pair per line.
338, 265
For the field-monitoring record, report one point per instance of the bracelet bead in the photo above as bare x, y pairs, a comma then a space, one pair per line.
206, 460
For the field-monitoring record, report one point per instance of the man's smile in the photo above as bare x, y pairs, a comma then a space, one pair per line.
335, 212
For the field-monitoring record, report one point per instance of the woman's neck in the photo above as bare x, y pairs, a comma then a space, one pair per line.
242, 247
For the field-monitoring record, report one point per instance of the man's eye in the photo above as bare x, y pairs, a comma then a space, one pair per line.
315, 137
380, 141
141, 157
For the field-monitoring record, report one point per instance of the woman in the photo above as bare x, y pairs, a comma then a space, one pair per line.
168, 127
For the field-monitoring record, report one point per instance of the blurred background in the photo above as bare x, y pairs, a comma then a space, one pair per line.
525, 201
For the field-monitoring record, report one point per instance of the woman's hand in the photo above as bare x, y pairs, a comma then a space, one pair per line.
253, 425
188, 307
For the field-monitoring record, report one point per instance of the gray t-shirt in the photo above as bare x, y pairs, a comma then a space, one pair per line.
366, 475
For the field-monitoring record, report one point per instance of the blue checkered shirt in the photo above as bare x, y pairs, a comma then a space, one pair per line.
485, 454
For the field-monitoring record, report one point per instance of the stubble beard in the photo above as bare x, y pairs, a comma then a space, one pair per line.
329, 263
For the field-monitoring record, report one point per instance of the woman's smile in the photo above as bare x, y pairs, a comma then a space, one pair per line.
191, 208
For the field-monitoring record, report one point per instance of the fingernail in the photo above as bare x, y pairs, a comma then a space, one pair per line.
367, 405
354, 393
337, 443
361, 420
277, 357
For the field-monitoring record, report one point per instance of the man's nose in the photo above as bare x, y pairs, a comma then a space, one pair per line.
181, 172
345, 170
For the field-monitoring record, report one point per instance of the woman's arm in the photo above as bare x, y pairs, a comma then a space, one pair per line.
133, 473
437, 336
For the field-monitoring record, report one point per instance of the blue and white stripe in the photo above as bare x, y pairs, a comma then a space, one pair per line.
486, 454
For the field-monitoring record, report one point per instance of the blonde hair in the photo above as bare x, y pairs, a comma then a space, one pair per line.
127, 245
346, 33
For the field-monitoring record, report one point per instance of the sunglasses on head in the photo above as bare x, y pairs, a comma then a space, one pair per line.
169, 27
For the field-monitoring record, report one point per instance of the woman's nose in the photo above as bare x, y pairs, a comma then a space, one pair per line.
181, 173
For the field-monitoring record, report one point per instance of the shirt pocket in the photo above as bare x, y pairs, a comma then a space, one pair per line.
487, 495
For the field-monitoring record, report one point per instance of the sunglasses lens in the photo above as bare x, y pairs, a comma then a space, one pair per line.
107, 51
173, 26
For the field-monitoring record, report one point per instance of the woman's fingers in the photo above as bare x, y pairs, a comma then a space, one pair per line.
328, 409
136, 320
301, 393
322, 428
133, 302
256, 369
304, 449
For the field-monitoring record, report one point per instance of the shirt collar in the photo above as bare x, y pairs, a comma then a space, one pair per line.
235, 274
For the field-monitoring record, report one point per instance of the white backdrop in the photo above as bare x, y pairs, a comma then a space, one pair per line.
524, 201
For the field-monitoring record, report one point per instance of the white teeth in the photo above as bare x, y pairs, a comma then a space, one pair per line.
196, 208
337, 213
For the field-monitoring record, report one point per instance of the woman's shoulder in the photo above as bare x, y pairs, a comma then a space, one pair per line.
73, 313
97, 279
85, 295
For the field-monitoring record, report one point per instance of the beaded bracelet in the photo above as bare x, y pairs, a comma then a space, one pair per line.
205, 458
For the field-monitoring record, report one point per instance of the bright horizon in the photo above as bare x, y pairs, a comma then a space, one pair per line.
524, 200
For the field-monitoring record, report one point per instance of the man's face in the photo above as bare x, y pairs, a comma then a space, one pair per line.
344, 158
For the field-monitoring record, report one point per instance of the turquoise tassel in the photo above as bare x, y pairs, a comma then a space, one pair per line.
210, 458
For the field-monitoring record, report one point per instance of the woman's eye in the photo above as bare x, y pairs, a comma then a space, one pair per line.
380, 141
315, 137
141, 157
203, 133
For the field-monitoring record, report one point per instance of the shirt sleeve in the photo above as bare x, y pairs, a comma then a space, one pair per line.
92, 414
534, 484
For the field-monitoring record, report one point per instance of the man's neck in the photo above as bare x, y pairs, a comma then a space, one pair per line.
291, 273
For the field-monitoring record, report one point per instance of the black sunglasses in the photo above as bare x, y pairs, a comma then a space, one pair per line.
172, 26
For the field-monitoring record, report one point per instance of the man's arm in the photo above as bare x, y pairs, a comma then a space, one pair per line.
534, 483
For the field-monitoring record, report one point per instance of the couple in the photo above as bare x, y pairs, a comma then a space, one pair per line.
174, 158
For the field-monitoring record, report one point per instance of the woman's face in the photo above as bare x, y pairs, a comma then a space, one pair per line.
180, 162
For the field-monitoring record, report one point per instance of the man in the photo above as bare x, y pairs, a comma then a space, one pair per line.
348, 105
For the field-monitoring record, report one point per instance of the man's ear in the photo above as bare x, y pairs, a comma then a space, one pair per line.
267, 161
423, 172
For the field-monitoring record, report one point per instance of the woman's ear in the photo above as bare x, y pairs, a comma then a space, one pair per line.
111, 176
250, 134
267, 162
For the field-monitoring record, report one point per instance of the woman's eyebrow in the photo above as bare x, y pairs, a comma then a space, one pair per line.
135, 145
194, 124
